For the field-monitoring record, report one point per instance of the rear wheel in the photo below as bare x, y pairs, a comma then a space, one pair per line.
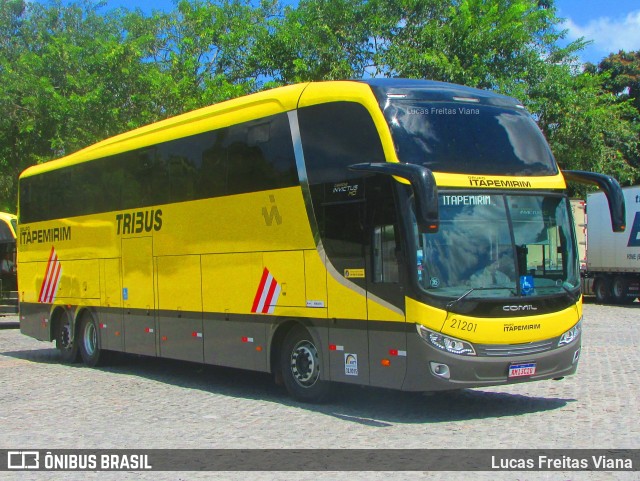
65, 342
602, 290
92, 354
300, 366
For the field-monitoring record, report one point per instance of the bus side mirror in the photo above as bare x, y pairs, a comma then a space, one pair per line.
611, 189
424, 187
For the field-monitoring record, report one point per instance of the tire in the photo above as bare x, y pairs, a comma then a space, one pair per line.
89, 342
602, 290
619, 288
67, 348
300, 367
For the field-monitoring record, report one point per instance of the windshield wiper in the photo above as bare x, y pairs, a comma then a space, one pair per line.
455, 301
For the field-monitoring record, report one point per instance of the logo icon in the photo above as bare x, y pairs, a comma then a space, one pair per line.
273, 214
634, 236
351, 364
23, 460
526, 285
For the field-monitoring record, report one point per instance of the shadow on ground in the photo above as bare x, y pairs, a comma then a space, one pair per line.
363, 405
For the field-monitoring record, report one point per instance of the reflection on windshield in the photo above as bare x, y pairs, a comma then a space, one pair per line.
479, 139
475, 247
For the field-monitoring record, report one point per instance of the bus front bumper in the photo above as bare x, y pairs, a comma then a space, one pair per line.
430, 369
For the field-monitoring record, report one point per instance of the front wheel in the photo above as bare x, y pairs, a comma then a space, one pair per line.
92, 354
300, 365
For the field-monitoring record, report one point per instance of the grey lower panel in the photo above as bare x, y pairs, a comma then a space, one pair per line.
352, 351
110, 329
348, 352
140, 332
181, 336
236, 342
391, 346
35, 322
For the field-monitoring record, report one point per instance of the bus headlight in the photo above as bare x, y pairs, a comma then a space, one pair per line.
571, 335
446, 343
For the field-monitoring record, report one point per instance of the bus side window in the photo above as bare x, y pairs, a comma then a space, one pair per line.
385, 260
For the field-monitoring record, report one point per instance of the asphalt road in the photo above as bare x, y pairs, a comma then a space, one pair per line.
143, 403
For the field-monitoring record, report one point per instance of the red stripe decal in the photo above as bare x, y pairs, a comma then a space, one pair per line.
54, 280
46, 275
267, 301
256, 300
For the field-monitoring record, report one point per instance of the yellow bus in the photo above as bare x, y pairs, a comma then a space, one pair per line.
8, 278
406, 234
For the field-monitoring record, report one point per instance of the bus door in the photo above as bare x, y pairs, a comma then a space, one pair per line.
385, 291
342, 222
138, 296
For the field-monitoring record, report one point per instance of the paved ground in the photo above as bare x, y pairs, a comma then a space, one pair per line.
144, 403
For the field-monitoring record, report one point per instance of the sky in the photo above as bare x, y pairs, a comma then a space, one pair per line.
611, 25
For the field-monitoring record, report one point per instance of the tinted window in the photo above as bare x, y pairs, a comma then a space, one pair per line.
334, 136
469, 138
249, 157
5, 232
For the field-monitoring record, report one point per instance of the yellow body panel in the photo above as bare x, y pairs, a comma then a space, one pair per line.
504, 330
229, 282
378, 312
179, 283
345, 301
137, 273
316, 282
499, 181
111, 292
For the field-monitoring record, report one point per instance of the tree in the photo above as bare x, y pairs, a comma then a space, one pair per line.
69, 78
203, 51
623, 76
75, 74
318, 40
585, 126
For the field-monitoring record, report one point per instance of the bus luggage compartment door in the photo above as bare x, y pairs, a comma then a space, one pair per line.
138, 296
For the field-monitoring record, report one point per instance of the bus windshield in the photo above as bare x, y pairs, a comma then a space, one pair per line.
467, 138
498, 245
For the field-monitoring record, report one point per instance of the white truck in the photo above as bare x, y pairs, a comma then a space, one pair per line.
609, 261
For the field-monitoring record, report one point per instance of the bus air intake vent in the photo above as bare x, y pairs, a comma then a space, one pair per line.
500, 350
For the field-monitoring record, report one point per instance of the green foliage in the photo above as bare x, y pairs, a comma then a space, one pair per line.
318, 40
73, 74
584, 124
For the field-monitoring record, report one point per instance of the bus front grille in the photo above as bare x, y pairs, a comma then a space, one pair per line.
503, 350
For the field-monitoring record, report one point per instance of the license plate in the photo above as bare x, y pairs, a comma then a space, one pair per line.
520, 370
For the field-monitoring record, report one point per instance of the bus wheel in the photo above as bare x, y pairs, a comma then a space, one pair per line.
67, 348
92, 354
602, 290
300, 367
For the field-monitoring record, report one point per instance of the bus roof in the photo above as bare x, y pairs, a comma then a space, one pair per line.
249, 107
436, 91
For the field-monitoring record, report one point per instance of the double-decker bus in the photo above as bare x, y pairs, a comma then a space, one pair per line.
406, 234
